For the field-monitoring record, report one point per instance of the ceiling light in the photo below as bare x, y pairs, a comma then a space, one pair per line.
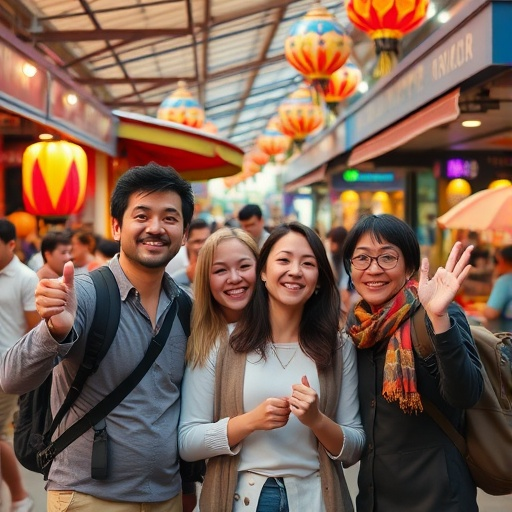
471, 123
363, 87
45, 136
443, 16
71, 99
431, 10
29, 70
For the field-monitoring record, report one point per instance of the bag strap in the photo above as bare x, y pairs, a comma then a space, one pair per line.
113, 399
424, 347
101, 334
184, 311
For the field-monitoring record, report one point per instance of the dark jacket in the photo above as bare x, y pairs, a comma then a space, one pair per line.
409, 464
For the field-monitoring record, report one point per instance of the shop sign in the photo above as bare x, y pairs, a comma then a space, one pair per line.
461, 168
463, 54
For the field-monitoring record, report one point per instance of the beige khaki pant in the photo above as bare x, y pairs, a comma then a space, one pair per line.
63, 501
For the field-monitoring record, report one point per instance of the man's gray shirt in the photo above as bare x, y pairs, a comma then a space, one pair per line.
142, 430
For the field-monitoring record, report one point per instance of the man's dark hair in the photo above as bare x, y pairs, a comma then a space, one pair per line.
109, 248
506, 253
7, 231
151, 178
51, 240
198, 224
250, 210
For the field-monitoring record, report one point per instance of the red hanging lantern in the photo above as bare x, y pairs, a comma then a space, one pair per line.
181, 107
386, 23
54, 176
301, 114
272, 140
317, 45
342, 84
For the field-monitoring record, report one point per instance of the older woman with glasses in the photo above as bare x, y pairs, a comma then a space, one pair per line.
409, 464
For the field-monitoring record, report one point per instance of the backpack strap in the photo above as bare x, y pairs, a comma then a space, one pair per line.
184, 311
102, 332
424, 347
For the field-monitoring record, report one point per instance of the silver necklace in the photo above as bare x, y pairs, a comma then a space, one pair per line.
283, 366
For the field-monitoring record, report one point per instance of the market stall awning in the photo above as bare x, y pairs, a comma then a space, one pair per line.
442, 111
195, 154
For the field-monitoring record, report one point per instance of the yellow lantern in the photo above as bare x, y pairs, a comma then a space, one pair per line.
181, 107
457, 190
500, 183
54, 177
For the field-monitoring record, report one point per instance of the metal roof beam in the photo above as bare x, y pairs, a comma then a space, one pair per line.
73, 36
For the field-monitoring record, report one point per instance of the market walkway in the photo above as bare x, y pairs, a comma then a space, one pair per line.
35, 486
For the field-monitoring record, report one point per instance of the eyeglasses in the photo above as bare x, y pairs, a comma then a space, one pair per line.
385, 261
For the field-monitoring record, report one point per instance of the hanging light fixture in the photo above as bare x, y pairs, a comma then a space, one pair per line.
317, 45
386, 23
181, 107
342, 84
301, 114
272, 140
54, 178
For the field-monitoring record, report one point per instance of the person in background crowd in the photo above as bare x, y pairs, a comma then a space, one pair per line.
17, 315
56, 252
279, 423
336, 238
498, 310
104, 252
151, 208
182, 260
409, 464
251, 220
83, 245
198, 233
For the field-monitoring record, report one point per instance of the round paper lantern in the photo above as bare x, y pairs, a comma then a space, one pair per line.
386, 22
272, 140
54, 176
342, 84
317, 45
250, 167
300, 114
210, 127
258, 157
500, 184
457, 190
181, 107
24, 222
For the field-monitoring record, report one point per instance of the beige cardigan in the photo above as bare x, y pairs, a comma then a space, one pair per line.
221, 477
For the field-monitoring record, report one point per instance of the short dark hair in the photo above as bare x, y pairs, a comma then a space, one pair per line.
7, 231
109, 248
198, 224
151, 178
86, 238
506, 253
321, 315
51, 240
250, 210
387, 228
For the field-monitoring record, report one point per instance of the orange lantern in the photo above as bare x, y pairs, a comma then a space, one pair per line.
342, 84
210, 127
258, 157
250, 167
24, 222
386, 23
181, 107
301, 114
54, 176
272, 141
457, 190
317, 45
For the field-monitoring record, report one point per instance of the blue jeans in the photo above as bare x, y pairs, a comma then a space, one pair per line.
273, 496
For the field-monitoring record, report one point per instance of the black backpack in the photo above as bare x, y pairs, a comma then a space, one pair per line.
34, 426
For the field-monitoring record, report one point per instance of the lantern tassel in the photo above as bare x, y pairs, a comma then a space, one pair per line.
387, 56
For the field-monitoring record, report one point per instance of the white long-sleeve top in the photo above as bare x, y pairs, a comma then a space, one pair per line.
290, 451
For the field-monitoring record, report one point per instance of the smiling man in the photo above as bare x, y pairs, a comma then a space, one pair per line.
151, 208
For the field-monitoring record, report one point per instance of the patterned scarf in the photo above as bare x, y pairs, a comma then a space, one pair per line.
393, 322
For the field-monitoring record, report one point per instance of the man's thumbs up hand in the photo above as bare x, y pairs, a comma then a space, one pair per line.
56, 302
